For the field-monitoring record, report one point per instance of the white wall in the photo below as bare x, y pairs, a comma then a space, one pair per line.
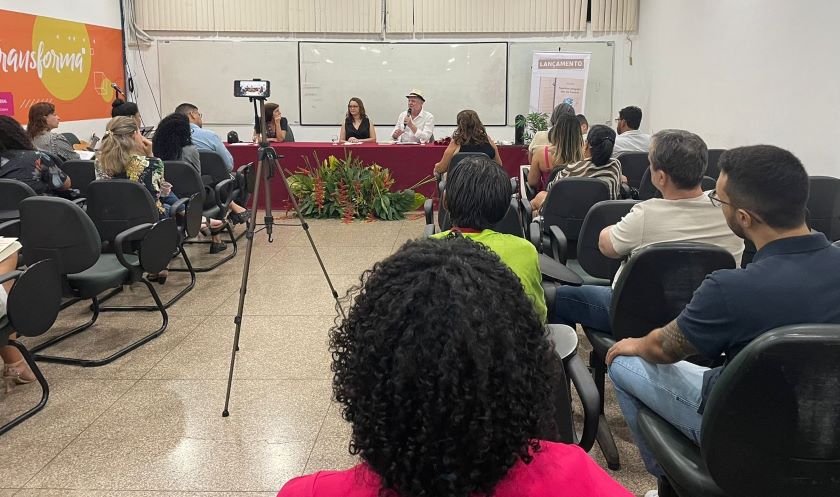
741, 73
99, 12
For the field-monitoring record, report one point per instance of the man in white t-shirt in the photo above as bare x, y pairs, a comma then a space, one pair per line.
629, 138
414, 125
684, 214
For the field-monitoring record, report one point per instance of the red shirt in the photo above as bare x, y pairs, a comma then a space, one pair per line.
557, 469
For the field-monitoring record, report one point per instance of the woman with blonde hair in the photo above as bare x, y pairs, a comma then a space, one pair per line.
469, 136
357, 127
42, 120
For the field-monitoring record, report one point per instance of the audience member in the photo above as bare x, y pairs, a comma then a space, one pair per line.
415, 125
565, 147
19, 160
630, 139
204, 139
277, 127
173, 141
447, 403
42, 120
677, 162
540, 138
357, 126
584, 124
469, 136
478, 196
15, 369
763, 191
597, 163
120, 107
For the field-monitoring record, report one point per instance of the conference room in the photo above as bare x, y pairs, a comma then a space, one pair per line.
415, 248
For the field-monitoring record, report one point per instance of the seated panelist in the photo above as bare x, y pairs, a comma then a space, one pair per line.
414, 125
357, 126
277, 127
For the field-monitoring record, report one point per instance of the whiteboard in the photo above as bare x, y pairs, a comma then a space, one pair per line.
599, 88
452, 76
202, 72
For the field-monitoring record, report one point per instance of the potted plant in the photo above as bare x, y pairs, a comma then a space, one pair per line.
533, 122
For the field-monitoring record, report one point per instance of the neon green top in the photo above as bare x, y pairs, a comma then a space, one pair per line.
520, 256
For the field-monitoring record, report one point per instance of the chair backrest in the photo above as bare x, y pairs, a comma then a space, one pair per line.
568, 202
708, 183
71, 138
186, 181
600, 215
657, 283
116, 205
12, 192
712, 170
511, 224
633, 165
824, 206
82, 173
56, 228
771, 426
213, 166
749, 253
35, 299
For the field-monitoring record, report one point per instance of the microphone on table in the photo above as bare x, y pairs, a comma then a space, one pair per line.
117, 89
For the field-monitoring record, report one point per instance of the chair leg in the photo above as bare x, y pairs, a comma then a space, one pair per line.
604, 437
121, 352
231, 239
175, 298
45, 389
108, 296
52, 341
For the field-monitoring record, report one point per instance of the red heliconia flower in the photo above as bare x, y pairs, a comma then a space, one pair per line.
346, 204
319, 192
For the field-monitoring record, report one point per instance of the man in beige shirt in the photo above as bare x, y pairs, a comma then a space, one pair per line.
678, 162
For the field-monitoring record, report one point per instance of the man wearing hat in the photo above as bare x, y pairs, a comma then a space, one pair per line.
414, 125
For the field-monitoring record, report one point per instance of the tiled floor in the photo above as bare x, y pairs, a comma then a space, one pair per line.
150, 423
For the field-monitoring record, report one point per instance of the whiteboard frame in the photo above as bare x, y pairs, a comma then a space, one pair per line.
507, 73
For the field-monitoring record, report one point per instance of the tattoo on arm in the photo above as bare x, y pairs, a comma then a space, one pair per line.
674, 343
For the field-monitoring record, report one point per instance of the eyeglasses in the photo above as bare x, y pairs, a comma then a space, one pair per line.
716, 201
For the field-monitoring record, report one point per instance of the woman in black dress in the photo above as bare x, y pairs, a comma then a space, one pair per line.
277, 127
357, 127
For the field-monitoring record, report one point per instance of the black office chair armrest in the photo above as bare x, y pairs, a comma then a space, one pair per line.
589, 399
158, 246
556, 271
193, 215
428, 210
80, 202
535, 234
133, 234
11, 275
430, 230
12, 227
222, 203
624, 191
559, 244
679, 457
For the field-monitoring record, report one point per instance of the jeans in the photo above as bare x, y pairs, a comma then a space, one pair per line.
167, 202
670, 390
587, 305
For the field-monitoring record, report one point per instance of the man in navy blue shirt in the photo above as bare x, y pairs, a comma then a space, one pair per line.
793, 279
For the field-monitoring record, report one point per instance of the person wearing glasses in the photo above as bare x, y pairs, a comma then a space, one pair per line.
630, 139
684, 214
357, 127
762, 192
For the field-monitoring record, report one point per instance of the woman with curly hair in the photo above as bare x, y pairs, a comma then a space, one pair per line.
448, 404
19, 160
173, 141
42, 120
469, 136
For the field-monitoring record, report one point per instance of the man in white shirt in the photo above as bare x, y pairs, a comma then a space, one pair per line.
629, 138
678, 162
414, 125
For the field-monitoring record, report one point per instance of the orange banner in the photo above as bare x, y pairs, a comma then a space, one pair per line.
67, 63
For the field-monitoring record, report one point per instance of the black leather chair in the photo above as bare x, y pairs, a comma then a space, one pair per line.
712, 170
57, 229
557, 229
71, 138
115, 206
31, 310
647, 191
186, 182
633, 166
771, 426
11, 194
81, 173
652, 289
824, 206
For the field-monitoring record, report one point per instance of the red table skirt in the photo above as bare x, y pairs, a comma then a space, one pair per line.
409, 164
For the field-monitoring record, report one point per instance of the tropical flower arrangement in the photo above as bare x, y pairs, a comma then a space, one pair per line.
350, 189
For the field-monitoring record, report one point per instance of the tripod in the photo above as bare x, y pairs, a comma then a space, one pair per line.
267, 163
